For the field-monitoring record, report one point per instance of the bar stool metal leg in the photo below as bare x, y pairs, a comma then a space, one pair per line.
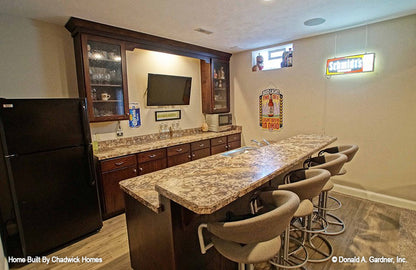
285, 259
307, 241
336, 225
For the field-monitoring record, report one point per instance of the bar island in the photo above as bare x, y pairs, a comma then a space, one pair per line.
165, 208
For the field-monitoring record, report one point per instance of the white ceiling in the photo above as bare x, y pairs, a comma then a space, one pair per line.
237, 25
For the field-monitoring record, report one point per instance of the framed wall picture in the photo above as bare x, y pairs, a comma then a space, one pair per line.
167, 115
271, 109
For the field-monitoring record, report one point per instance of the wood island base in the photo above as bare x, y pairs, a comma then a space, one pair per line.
169, 240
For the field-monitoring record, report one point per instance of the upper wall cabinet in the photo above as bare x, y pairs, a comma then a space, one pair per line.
102, 71
215, 86
100, 52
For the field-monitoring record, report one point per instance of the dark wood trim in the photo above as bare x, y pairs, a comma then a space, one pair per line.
206, 87
140, 40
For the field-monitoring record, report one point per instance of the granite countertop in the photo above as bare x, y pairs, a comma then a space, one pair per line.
118, 150
206, 185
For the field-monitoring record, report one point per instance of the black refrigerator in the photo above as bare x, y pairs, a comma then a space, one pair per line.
48, 193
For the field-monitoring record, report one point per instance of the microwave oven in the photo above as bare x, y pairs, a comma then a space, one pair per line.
219, 122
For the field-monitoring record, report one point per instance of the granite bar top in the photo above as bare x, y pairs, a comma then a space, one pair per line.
206, 185
126, 148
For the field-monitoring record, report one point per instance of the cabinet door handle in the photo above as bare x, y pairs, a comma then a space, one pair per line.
201, 145
152, 156
179, 150
134, 170
220, 141
119, 163
189, 156
140, 169
193, 154
226, 147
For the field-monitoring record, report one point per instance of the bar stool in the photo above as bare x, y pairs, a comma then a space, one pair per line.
307, 184
333, 163
256, 239
348, 150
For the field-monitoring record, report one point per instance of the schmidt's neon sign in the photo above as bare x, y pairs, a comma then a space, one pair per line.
350, 64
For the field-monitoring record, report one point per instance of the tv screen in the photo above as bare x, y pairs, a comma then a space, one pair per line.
168, 90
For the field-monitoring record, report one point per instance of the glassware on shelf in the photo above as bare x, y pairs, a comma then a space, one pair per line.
106, 80
94, 94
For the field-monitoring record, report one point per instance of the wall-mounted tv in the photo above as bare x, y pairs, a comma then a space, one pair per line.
165, 90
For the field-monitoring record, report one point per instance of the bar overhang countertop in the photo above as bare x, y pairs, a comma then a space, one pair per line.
206, 185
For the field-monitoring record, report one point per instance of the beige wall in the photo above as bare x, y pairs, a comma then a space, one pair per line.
374, 110
139, 64
37, 59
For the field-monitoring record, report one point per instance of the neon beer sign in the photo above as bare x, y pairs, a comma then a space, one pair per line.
350, 64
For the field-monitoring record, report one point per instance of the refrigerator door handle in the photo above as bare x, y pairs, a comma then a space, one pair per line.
91, 166
85, 122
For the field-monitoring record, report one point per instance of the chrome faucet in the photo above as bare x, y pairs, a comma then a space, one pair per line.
257, 142
264, 140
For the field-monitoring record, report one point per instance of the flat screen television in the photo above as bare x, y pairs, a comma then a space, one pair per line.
165, 90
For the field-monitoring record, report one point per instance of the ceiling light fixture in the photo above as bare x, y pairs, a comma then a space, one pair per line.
204, 31
314, 21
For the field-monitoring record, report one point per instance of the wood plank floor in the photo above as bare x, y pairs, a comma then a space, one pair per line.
373, 229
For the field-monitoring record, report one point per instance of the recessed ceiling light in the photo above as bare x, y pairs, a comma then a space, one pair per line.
314, 21
204, 31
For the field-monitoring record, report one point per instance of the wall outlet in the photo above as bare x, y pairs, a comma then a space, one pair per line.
119, 131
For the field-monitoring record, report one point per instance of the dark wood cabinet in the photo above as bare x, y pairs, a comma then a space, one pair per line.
225, 143
117, 163
201, 153
102, 76
200, 149
152, 166
219, 145
112, 172
218, 149
215, 86
178, 154
234, 141
151, 161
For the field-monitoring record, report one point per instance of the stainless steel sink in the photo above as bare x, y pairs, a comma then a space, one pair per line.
238, 151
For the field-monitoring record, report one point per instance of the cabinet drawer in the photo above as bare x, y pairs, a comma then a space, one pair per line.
151, 155
218, 149
178, 159
219, 140
179, 149
200, 145
234, 145
117, 163
200, 153
234, 137
152, 166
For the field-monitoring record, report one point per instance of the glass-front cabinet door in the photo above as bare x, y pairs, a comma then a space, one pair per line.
105, 79
215, 86
220, 86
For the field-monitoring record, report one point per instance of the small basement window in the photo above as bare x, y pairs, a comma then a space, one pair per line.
272, 58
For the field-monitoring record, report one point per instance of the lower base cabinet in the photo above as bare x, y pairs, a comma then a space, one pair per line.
225, 143
114, 170
152, 166
113, 200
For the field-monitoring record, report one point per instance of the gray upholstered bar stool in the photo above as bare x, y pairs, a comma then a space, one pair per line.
256, 239
307, 184
333, 163
348, 150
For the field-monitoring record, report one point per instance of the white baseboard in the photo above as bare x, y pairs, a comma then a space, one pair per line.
376, 197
